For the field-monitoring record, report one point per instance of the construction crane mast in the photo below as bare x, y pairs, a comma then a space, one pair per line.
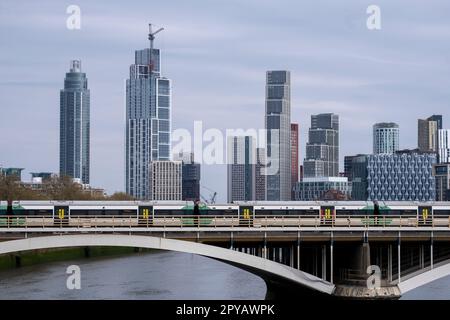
151, 38
212, 198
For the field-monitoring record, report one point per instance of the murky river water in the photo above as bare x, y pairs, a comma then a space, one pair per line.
159, 275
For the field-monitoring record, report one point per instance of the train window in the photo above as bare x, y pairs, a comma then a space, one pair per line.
353, 212
172, 212
37, 212
127, 212
268, 212
303, 212
218, 212
102, 212
441, 212
398, 212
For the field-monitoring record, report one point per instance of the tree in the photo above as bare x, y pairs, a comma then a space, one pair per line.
9, 188
63, 188
121, 196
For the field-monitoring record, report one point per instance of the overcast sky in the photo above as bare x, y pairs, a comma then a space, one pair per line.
217, 53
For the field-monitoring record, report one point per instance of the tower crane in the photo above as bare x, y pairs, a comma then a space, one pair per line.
212, 196
151, 37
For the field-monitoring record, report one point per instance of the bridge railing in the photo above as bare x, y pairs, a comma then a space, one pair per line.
213, 221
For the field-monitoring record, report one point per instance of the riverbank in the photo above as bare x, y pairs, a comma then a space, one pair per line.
28, 258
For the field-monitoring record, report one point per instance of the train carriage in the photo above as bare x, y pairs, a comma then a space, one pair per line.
114, 214
183, 215
300, 214
26, 213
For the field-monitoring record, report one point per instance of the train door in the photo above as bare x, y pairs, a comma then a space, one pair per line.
61, 216
145, 215
425, 215
245, 216
327, 215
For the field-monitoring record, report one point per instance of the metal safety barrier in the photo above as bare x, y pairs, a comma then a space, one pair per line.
212, 221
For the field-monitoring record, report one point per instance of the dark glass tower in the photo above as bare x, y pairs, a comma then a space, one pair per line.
74, 134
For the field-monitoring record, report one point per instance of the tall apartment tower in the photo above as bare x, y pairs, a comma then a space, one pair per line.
241, 162
322, 148
438, 119
443, 148
427, 135
278, 127
190, 177
294, 156
148, 120
260, 176
166, 180
385, 138
74, 125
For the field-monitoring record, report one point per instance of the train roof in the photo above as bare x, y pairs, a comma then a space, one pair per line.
237, 203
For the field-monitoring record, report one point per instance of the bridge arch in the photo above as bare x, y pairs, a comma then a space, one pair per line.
274, 274
427, 276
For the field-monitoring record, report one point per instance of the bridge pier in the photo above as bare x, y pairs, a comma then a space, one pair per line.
399, 259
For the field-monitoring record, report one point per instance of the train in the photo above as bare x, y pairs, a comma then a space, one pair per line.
246, 213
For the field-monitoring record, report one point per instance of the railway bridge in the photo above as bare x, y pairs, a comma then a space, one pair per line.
372, 261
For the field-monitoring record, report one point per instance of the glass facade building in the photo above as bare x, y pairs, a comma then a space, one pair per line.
443, 145
385, 138
441, 173
294, 155
322, 149
427, 135
278, 127
148, 121
241, 162
311, 189
260, 175
190, 177
74, 137
402, 176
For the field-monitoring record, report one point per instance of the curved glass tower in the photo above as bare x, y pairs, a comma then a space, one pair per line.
74, 134
385, 138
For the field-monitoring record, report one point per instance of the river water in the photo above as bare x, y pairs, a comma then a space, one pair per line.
156, 275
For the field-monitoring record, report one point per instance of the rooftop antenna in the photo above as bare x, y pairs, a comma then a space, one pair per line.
151, 37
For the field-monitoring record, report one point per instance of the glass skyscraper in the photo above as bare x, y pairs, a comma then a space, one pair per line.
148, 121
322, 149
278, 126
74, 138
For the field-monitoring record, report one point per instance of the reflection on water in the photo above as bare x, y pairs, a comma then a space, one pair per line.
159, 275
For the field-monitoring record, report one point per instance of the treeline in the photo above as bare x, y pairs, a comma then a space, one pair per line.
55, 188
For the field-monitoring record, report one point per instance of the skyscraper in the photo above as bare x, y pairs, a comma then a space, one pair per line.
260, 176
438, 119
443, 148
322, 148
427, 135
241, 162
166, 180
190, 177
74, 125
278, 126
294, 155
385, 138
148, 120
